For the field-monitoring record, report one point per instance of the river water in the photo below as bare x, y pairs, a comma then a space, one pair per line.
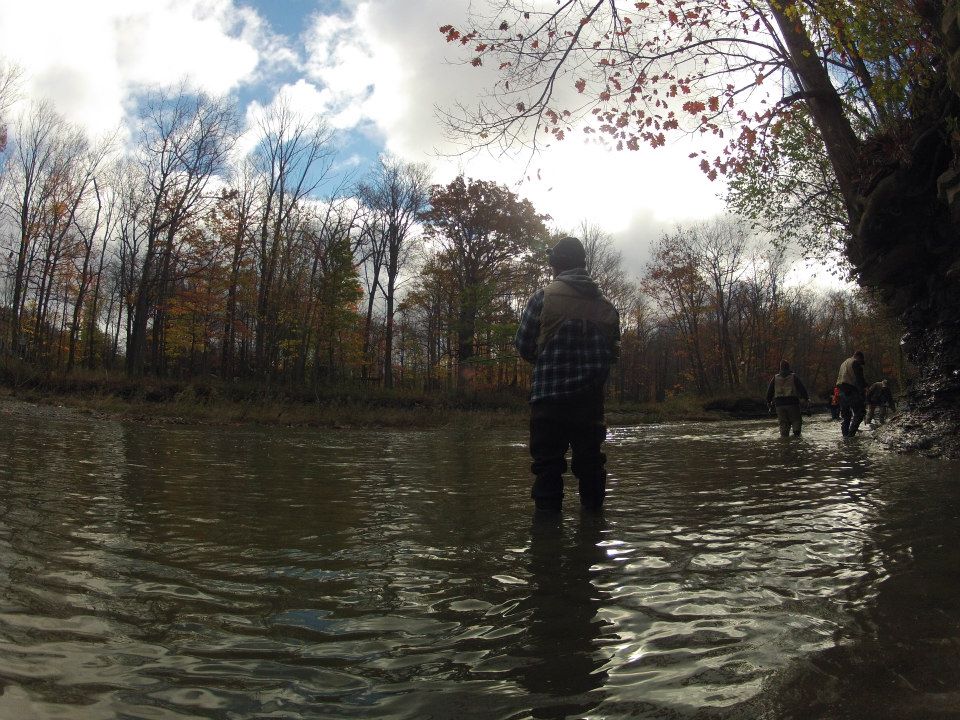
192, 572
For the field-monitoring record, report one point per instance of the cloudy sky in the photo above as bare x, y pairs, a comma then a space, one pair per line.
376, 69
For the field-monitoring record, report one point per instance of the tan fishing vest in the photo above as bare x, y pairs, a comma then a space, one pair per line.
784, 386
561, 302
846, 374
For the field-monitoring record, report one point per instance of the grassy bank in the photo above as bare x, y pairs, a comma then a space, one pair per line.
157, 401
211, 401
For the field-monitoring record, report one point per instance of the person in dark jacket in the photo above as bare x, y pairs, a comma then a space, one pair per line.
785, 392
879, 398
571, 334
852, 386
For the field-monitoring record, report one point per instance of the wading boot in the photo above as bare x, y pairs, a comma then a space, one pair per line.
547, 493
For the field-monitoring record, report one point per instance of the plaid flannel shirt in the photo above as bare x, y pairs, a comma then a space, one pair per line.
575, 360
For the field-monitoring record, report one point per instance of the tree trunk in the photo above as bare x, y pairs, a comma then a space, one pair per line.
826, 108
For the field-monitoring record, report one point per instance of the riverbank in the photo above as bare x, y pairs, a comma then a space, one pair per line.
339, 413
160, 402
190, 407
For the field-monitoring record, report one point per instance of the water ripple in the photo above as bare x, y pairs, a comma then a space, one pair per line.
227, 573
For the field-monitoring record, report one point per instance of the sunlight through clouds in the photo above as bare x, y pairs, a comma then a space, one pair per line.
387, 62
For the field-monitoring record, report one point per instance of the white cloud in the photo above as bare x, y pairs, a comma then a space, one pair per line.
89, 56
389, 64
381, 69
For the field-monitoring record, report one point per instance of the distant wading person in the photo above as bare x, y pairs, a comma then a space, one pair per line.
571, 334
835, 404
879, 399
852, 386
785, 392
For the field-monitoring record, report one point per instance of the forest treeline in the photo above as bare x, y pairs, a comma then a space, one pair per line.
191, 245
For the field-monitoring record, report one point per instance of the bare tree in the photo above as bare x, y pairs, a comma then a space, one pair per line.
293, 157
397, 192
51, 173
238, 213
185, 141
720, 247
10, 76
373, 249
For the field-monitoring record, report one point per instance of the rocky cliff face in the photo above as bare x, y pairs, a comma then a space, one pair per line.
907, 246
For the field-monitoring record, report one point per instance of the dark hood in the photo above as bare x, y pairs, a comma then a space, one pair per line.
579, 280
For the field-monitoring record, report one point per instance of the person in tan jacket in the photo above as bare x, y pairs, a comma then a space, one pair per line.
785, 393
853, 388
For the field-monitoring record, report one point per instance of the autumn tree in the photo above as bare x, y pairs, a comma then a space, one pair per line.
735, 71
673, 280
482, 228
53, 166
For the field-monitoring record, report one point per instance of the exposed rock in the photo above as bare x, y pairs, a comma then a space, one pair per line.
907, 247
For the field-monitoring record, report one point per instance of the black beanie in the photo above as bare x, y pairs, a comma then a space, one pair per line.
567, 254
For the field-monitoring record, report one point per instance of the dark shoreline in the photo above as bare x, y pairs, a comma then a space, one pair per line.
187, 404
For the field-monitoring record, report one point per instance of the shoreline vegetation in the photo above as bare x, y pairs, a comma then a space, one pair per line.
200, 402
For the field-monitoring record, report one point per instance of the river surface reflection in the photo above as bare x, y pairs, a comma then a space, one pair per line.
185, 572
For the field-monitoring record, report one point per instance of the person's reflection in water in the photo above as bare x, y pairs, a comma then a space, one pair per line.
564, 667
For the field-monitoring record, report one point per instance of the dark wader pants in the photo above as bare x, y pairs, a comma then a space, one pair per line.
789, 416
852, 410
556, 426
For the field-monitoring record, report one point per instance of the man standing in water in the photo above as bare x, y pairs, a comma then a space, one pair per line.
852, 386
571, 334
786, 391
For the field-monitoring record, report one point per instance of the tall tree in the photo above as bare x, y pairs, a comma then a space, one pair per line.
52, 174
483, 227
397, 192
720, 246
185, 140
235, 220
293, 157
673, 280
